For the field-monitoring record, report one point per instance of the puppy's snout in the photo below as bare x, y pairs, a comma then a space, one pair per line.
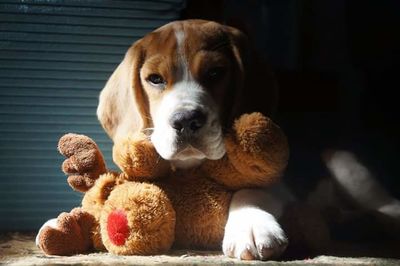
189, 121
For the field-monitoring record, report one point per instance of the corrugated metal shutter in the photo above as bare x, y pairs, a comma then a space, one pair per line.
55, 57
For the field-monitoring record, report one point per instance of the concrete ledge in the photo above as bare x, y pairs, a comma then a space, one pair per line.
20, 249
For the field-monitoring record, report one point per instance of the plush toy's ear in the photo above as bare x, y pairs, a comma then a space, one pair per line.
123, 106
255, 88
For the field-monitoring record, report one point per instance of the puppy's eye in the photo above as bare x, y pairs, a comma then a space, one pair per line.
215, 73
156, 80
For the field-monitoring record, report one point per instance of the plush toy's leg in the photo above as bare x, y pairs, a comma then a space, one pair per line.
69, 234
84, 161
137, 219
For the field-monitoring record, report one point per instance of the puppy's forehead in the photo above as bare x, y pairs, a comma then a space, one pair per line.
160, 41
187, 36
203, 35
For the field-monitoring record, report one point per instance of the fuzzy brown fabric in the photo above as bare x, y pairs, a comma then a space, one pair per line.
185, 208
257, 153
150, 216
72, 237
85, 162
136, 157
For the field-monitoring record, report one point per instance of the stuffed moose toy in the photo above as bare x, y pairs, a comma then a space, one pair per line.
150, 206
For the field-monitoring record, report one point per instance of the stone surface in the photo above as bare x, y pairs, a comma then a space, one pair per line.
20, 249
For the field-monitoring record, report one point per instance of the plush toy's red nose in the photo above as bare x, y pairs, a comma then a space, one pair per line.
117, 227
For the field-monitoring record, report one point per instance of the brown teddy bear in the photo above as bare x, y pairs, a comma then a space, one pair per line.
151, 206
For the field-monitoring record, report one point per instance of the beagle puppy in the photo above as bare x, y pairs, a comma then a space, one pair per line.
182, 83
179, 82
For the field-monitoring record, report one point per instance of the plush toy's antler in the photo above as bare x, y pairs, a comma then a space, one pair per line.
84, 161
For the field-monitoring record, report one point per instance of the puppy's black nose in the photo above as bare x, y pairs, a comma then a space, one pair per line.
189, 121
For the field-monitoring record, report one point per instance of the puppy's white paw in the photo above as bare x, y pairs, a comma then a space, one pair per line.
251, 234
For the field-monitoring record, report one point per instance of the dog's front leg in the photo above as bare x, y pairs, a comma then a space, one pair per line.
252, 231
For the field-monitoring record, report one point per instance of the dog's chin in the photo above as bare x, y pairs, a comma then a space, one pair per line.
189, 151
188, 155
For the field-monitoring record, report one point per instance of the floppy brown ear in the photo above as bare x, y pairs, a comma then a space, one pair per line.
256, 88
123, 107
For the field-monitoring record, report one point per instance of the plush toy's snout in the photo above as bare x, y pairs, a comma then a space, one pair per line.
117, 227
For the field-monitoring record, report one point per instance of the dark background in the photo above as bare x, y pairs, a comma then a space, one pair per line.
337, 66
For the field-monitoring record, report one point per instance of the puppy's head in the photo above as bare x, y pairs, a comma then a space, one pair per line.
177, 83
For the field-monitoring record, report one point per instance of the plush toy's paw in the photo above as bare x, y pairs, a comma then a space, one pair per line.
257, 148
252, 234
84, 161
69, 234
255, 132
137, 219
137, 157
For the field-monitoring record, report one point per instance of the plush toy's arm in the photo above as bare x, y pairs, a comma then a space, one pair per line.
84, 162
138, 159
256, 153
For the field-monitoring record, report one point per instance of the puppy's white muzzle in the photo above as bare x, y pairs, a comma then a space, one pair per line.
189, 138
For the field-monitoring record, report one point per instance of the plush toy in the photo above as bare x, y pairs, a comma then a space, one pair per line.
151, 206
